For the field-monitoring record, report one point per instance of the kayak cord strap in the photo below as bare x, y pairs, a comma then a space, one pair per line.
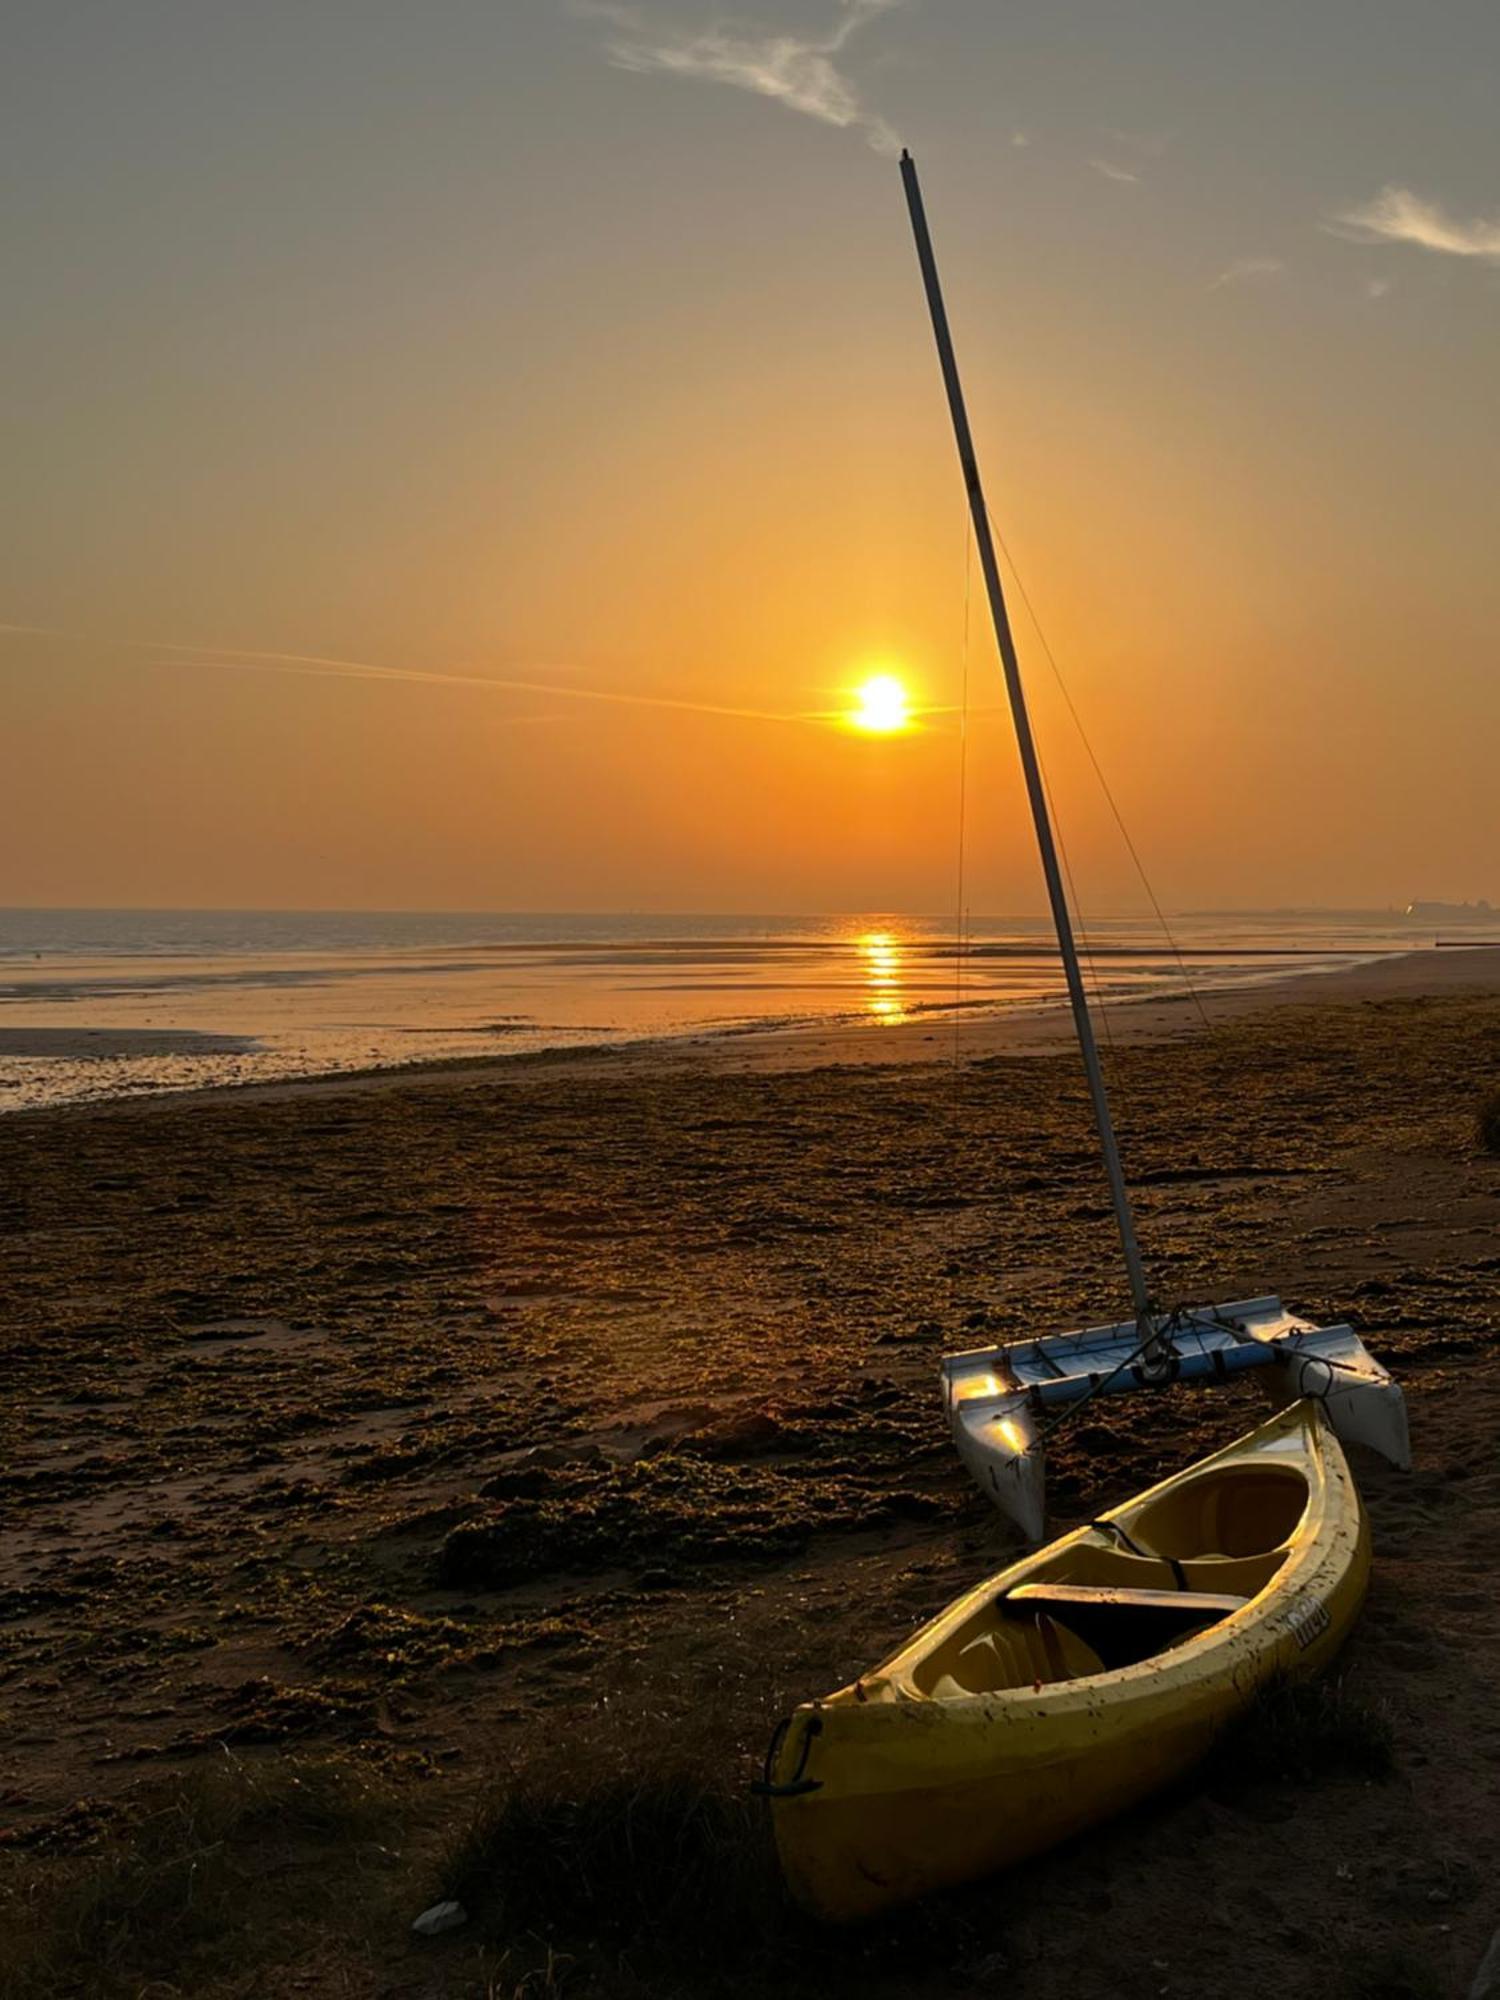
797, 1786
1128, 1540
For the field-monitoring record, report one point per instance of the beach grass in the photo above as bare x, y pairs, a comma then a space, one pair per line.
631, 1857
641, 1841
1296, 1732
228, 1866
1393, 1973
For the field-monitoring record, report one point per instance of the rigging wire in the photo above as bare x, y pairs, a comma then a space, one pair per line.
1081, 934
963, 782
1119, 818
958, 926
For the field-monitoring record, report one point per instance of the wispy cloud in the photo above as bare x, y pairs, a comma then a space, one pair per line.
1248, 271
1129, 155
1144, 145
1396, 215
1112, 171
798, 69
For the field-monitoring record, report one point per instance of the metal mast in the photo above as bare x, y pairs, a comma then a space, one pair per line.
1035, 791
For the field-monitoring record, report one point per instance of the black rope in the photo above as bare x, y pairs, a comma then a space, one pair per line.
1286, 1345
1180, 1320
1096, 1386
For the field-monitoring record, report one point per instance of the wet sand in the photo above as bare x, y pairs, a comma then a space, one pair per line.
79, 1044
406, 1419
1017, 1030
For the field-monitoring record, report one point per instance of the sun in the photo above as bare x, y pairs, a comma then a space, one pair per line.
882, 707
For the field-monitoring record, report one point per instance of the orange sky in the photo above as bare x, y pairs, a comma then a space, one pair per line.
482, 349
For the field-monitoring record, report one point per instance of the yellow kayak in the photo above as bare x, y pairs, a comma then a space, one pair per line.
1086, 1675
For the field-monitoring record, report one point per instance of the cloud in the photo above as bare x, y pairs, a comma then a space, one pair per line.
1247, 271
796, 69
1145, 145
1111, 172
1396, 215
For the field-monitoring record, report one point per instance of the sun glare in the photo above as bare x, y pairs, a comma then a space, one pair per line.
880, 953
881, 706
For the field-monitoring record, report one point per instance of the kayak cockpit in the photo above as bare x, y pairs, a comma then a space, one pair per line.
1038, 1633
1250, 1510
1120, 1627
1127, 1589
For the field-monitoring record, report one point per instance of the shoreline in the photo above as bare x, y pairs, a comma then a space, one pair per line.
1021, 1029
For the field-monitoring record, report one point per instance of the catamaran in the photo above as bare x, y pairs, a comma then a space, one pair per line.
1095, 1669
1002, 1401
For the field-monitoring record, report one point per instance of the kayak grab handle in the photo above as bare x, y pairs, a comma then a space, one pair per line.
1211, 1366
797, 1786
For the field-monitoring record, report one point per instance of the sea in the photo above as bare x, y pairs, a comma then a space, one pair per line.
124, 1003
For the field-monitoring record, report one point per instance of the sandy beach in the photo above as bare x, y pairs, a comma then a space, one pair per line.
407, 1421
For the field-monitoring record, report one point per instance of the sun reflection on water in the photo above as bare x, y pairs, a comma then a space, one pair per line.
883, 967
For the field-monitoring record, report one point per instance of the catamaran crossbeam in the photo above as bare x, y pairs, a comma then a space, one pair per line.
1000, 1399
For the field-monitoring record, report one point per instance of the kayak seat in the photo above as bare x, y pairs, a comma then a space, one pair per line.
1122, 1625
1047, 1595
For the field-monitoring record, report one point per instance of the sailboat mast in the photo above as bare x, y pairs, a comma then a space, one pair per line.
1031, 768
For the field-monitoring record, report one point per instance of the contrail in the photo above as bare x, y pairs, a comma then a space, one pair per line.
246, 659
319, 664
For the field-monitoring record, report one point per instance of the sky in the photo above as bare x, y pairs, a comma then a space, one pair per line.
463, 456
